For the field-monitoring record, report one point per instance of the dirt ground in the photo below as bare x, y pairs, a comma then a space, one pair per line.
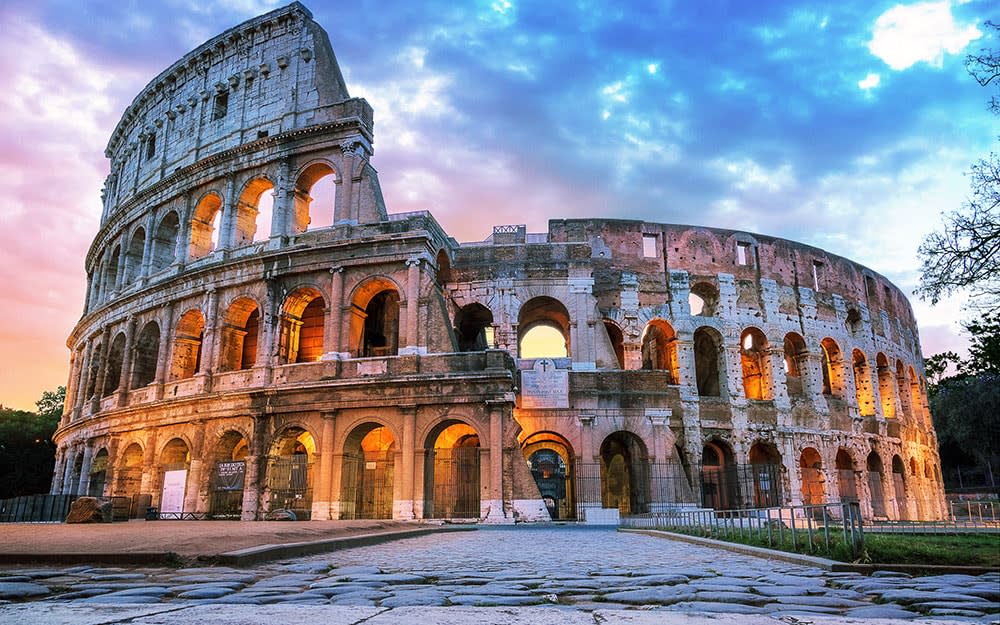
185, 538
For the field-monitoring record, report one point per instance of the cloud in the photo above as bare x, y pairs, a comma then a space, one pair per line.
909, 34
870, 81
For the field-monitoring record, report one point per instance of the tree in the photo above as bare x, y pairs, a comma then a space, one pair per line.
51, 403
27, 454
965, 253
984, 349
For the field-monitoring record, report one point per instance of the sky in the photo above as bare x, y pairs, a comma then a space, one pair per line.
848, 125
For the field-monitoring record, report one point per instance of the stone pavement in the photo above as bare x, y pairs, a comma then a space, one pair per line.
512, 575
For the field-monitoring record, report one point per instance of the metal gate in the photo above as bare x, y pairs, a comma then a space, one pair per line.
227, 490
877, 495
732, 487
288, 485
455, 483
846, 485
900, 488
367, 485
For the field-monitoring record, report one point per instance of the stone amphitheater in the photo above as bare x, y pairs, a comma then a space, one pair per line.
261, 338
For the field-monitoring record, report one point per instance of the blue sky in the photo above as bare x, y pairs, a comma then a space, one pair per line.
846, 125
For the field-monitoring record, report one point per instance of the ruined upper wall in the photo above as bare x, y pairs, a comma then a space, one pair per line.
269, 75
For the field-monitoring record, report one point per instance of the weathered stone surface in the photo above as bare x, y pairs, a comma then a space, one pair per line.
21, 590
89, 510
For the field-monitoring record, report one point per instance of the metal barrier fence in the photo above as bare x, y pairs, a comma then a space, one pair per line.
821, 528
985, 513
35, 508
636, 488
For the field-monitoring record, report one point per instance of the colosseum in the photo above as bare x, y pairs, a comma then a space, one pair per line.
262, 338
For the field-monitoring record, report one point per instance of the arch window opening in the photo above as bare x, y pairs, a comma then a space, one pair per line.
550, 460
543, 329
863, 383
659, 349
474, 328
228, 476
916, 401
133, 257
368, 472
899, 488
239, 336
703, 299
205, 226
903, 391
165, 243
452, 475
381, 328
625, 474
756, 366
795, 364
765, 475
128, 479
719, 489
187, 345
113, 373
302, 322
617, 340
315, 198
847, 486
111, 273
708, 369
813, 480
289, 483
875, 490
95, 370
254, 212
833, 369
172, 474
443, 264
98, 474
146, 355
886, 385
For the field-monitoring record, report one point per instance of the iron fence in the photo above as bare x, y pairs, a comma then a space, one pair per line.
35, 508
822, 528
367, 485
454, 483
738, 486
289, 485
633, 488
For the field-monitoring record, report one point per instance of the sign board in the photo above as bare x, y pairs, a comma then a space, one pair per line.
229, 475
544, 386
172, 500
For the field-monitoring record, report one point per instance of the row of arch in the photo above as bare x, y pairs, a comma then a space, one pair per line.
151, 248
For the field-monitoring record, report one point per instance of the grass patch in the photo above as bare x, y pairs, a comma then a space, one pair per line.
881, 548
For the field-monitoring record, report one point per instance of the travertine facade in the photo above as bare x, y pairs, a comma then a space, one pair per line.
351, 363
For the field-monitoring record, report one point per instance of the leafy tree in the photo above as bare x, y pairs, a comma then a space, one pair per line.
965, 253
965, 410
935, 366
27, 454
984, 349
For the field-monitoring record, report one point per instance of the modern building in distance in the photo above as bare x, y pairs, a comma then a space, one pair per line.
261, 334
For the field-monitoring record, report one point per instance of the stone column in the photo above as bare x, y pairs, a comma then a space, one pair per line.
412, 307
323, 494
779, 389
148, 481
193, 502
283, 190
182, 245
265, 342
102, 369
495, 502
71, 386
80, 393
583, 351
88, 461
120, 274
69, 455
165, 350
57, 472
208, 347
109, 472
125, 376
147, 247
331, 338
251, 488
404, 508
227, 224
343, 210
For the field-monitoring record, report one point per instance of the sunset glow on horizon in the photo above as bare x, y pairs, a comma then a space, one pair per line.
844, 125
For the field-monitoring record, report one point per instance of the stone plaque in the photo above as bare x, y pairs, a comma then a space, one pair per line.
544, 386
371, 367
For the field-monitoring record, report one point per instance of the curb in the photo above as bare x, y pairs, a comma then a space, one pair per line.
253, 555
834, 566
125, 557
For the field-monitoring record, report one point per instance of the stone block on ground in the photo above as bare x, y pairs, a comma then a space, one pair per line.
89, 510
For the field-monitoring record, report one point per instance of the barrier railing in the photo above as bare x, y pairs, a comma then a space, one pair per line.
815, 529
35, 508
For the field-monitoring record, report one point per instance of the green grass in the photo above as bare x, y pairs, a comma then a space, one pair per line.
879, 548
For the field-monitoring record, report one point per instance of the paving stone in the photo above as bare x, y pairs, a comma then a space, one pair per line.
494, 600
663, 595
917, 596
225, 576
954, 612
783, 591
423, 598
22, 590
205, 593
880, 611
713, 607
730, 597
821, 601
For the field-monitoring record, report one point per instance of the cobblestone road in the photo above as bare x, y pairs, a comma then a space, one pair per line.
581, 569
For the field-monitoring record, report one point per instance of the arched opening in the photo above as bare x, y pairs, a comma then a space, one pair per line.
290, 473
239, 335
765, 475
315, 198
165, 242
833, 369
659, 349
77, 473
443, 268
863, 383
381, 328
718, 484
368, 471
187, 345
796, 364
302, 320
617, 340
903, 391
543, 329
707, 365
133, 257
474, 328
756, 365
95, 370
205, 226
916, 402
874, 465
254, 212
228, 476
111, 273
452, 472
98, 474
703, 299
854, 323
885, 386
128, 476
550, 460
847, 486
813, 480
172, 471
113, 373
146, 355
625, 474
899, 488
